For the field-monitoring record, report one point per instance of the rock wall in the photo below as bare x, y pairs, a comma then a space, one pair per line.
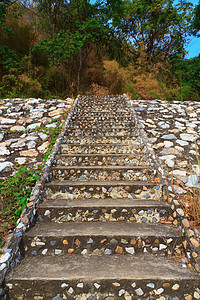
173, 129
24, 125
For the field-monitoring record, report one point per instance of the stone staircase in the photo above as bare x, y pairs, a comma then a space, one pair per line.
103, 231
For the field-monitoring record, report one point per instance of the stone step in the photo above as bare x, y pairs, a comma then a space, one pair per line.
100, 189
101, 277
102, 123
102, 106
102, 238
95, 148
111, 113
101, 160
83, 173
99, 129
112, 109
97, 139
104, 210
108, 137
105, 118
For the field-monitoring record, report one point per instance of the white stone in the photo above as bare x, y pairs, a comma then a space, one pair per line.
159, 291
179, 174
31, 145
179, 190
61, 105
44, 252
84, 251
196, 295
43, 147
139, 292
169, 137
18, 128
162, 247
33, 126
36, 114
133, 285
187, 137
1, 136
175, 287
6, 166
4, 151
19, 144
179, 149
47, 212
168, 144
196, 169
97, 286
4, 258
193, 152
168, 160
163, 125
182, 143
71, 290
80, 285
151, 285
51, 125
43, 136
8, 121
64, 285
2, 266
193, 181
31, 138
121, 292
130, 250
70, 100
40, 244
9, 285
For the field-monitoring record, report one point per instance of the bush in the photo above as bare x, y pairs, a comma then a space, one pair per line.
21, 85
115, 76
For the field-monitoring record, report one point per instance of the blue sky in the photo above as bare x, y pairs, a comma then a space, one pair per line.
193, 47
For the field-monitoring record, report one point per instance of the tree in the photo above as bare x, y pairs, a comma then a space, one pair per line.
196, 21
67, 40
157, 25
8, 56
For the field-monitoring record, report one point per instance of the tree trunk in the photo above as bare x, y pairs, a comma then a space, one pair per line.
79, 70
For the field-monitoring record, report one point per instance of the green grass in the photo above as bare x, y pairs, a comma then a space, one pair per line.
14, 194
15, 191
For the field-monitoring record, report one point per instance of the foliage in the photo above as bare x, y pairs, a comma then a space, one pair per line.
159, 25
60, 47
112, 70
196, 20
15, 191
14, 194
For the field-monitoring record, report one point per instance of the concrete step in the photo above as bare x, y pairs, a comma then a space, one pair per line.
101, 123
102, 238
103, 148
100, 130
105, 118
100, 189
89, 113
103, 173
104, 210
99, 127
101, 160
79, 277
97, 139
